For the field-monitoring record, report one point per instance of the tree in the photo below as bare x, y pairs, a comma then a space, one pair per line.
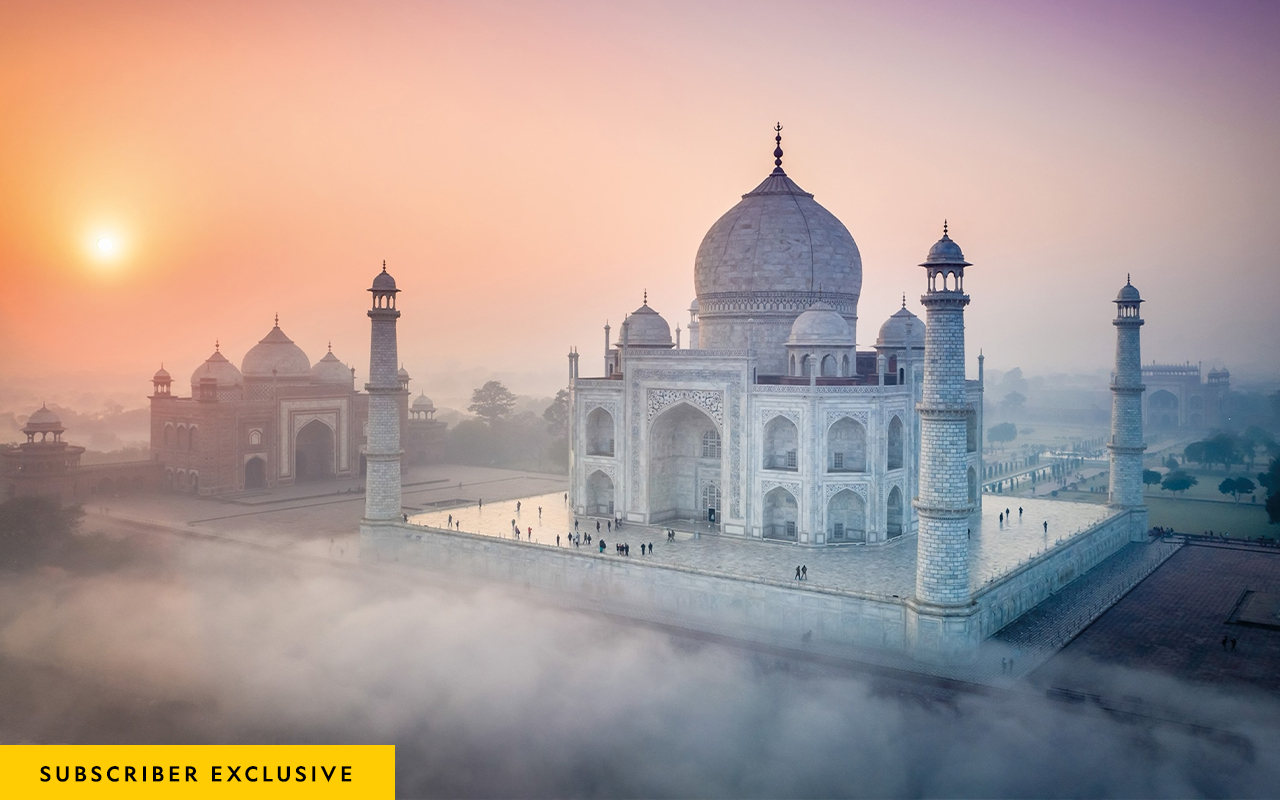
1013, 403
1004, 432
1150, 477
1236, 487
1270, 480
1254, 438
1195, 452
1171, 462
492, 402
557, 415
34, 529
1222, 448
1178, 481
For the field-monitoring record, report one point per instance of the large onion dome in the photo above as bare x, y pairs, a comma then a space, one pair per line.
276, 356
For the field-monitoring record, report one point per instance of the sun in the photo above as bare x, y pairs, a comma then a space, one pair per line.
106, 245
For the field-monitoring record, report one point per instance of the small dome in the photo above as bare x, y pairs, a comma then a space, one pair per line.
646, 328
1128, 294
161, 375
384, 282
423, 403
42, 419
276, 355
903, 329
820, 325
330, 370
402, 373
945, 252
218, 367
693, 307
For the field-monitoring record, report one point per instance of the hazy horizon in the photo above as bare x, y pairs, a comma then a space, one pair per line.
528, 171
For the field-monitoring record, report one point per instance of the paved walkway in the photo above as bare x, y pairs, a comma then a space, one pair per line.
887, 570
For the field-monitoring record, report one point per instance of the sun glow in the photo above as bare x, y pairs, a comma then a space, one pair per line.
104, 247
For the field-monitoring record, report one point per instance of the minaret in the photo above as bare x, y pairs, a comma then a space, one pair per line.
382, 455
943, 506
1126, 443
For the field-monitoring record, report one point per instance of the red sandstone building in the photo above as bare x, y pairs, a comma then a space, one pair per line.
277, 420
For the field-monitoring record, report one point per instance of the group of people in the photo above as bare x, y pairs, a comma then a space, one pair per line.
1008, 515
802, 573
624, 549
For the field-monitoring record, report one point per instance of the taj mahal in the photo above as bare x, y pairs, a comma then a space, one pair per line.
769, 439
770, 423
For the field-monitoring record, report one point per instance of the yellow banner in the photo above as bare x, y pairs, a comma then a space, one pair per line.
169, 770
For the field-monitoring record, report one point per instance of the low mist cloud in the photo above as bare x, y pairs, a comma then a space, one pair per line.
486, 693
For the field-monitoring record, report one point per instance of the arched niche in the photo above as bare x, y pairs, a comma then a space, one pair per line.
781, 445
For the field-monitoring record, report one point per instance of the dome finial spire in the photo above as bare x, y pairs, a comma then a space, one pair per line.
384, 265
330, 345
217, 347
277, 319
1128, 280
646, 297
777, 150
944, 227
904, 299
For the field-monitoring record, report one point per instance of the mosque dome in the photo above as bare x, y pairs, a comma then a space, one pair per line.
693, 307
218, 367
276, 355
778, 239
945, 252
903, 329
820, 325
402, 373
42, 419
646, 328
423, 403
161, 375
330, 370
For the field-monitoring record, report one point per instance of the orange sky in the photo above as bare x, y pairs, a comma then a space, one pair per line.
528, 169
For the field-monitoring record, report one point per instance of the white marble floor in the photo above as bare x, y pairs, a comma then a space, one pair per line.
887, 569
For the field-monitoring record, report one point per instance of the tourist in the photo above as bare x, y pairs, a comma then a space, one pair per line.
650, 548
602, 546
1002, 520
1233, 644
517, 506
610, 525
450, 520
1019, 513
539, 512
531, 534
1046, 526
575, 523
557, 540
1224, 643
804, 573
597, 526
797, 577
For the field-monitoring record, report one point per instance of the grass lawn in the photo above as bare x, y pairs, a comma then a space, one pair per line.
1189, 516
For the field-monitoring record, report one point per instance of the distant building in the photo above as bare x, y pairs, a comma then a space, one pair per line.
1177, 396
47, 466
276, 421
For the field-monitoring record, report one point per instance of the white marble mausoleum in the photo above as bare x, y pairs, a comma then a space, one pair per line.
769, 422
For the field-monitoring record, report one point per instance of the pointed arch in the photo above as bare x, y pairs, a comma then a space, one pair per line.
781, 444
846, 446
600, 432
894, 514
894, 444
781, 515
846, 517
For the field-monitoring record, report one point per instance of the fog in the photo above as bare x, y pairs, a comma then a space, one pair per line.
487, 693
